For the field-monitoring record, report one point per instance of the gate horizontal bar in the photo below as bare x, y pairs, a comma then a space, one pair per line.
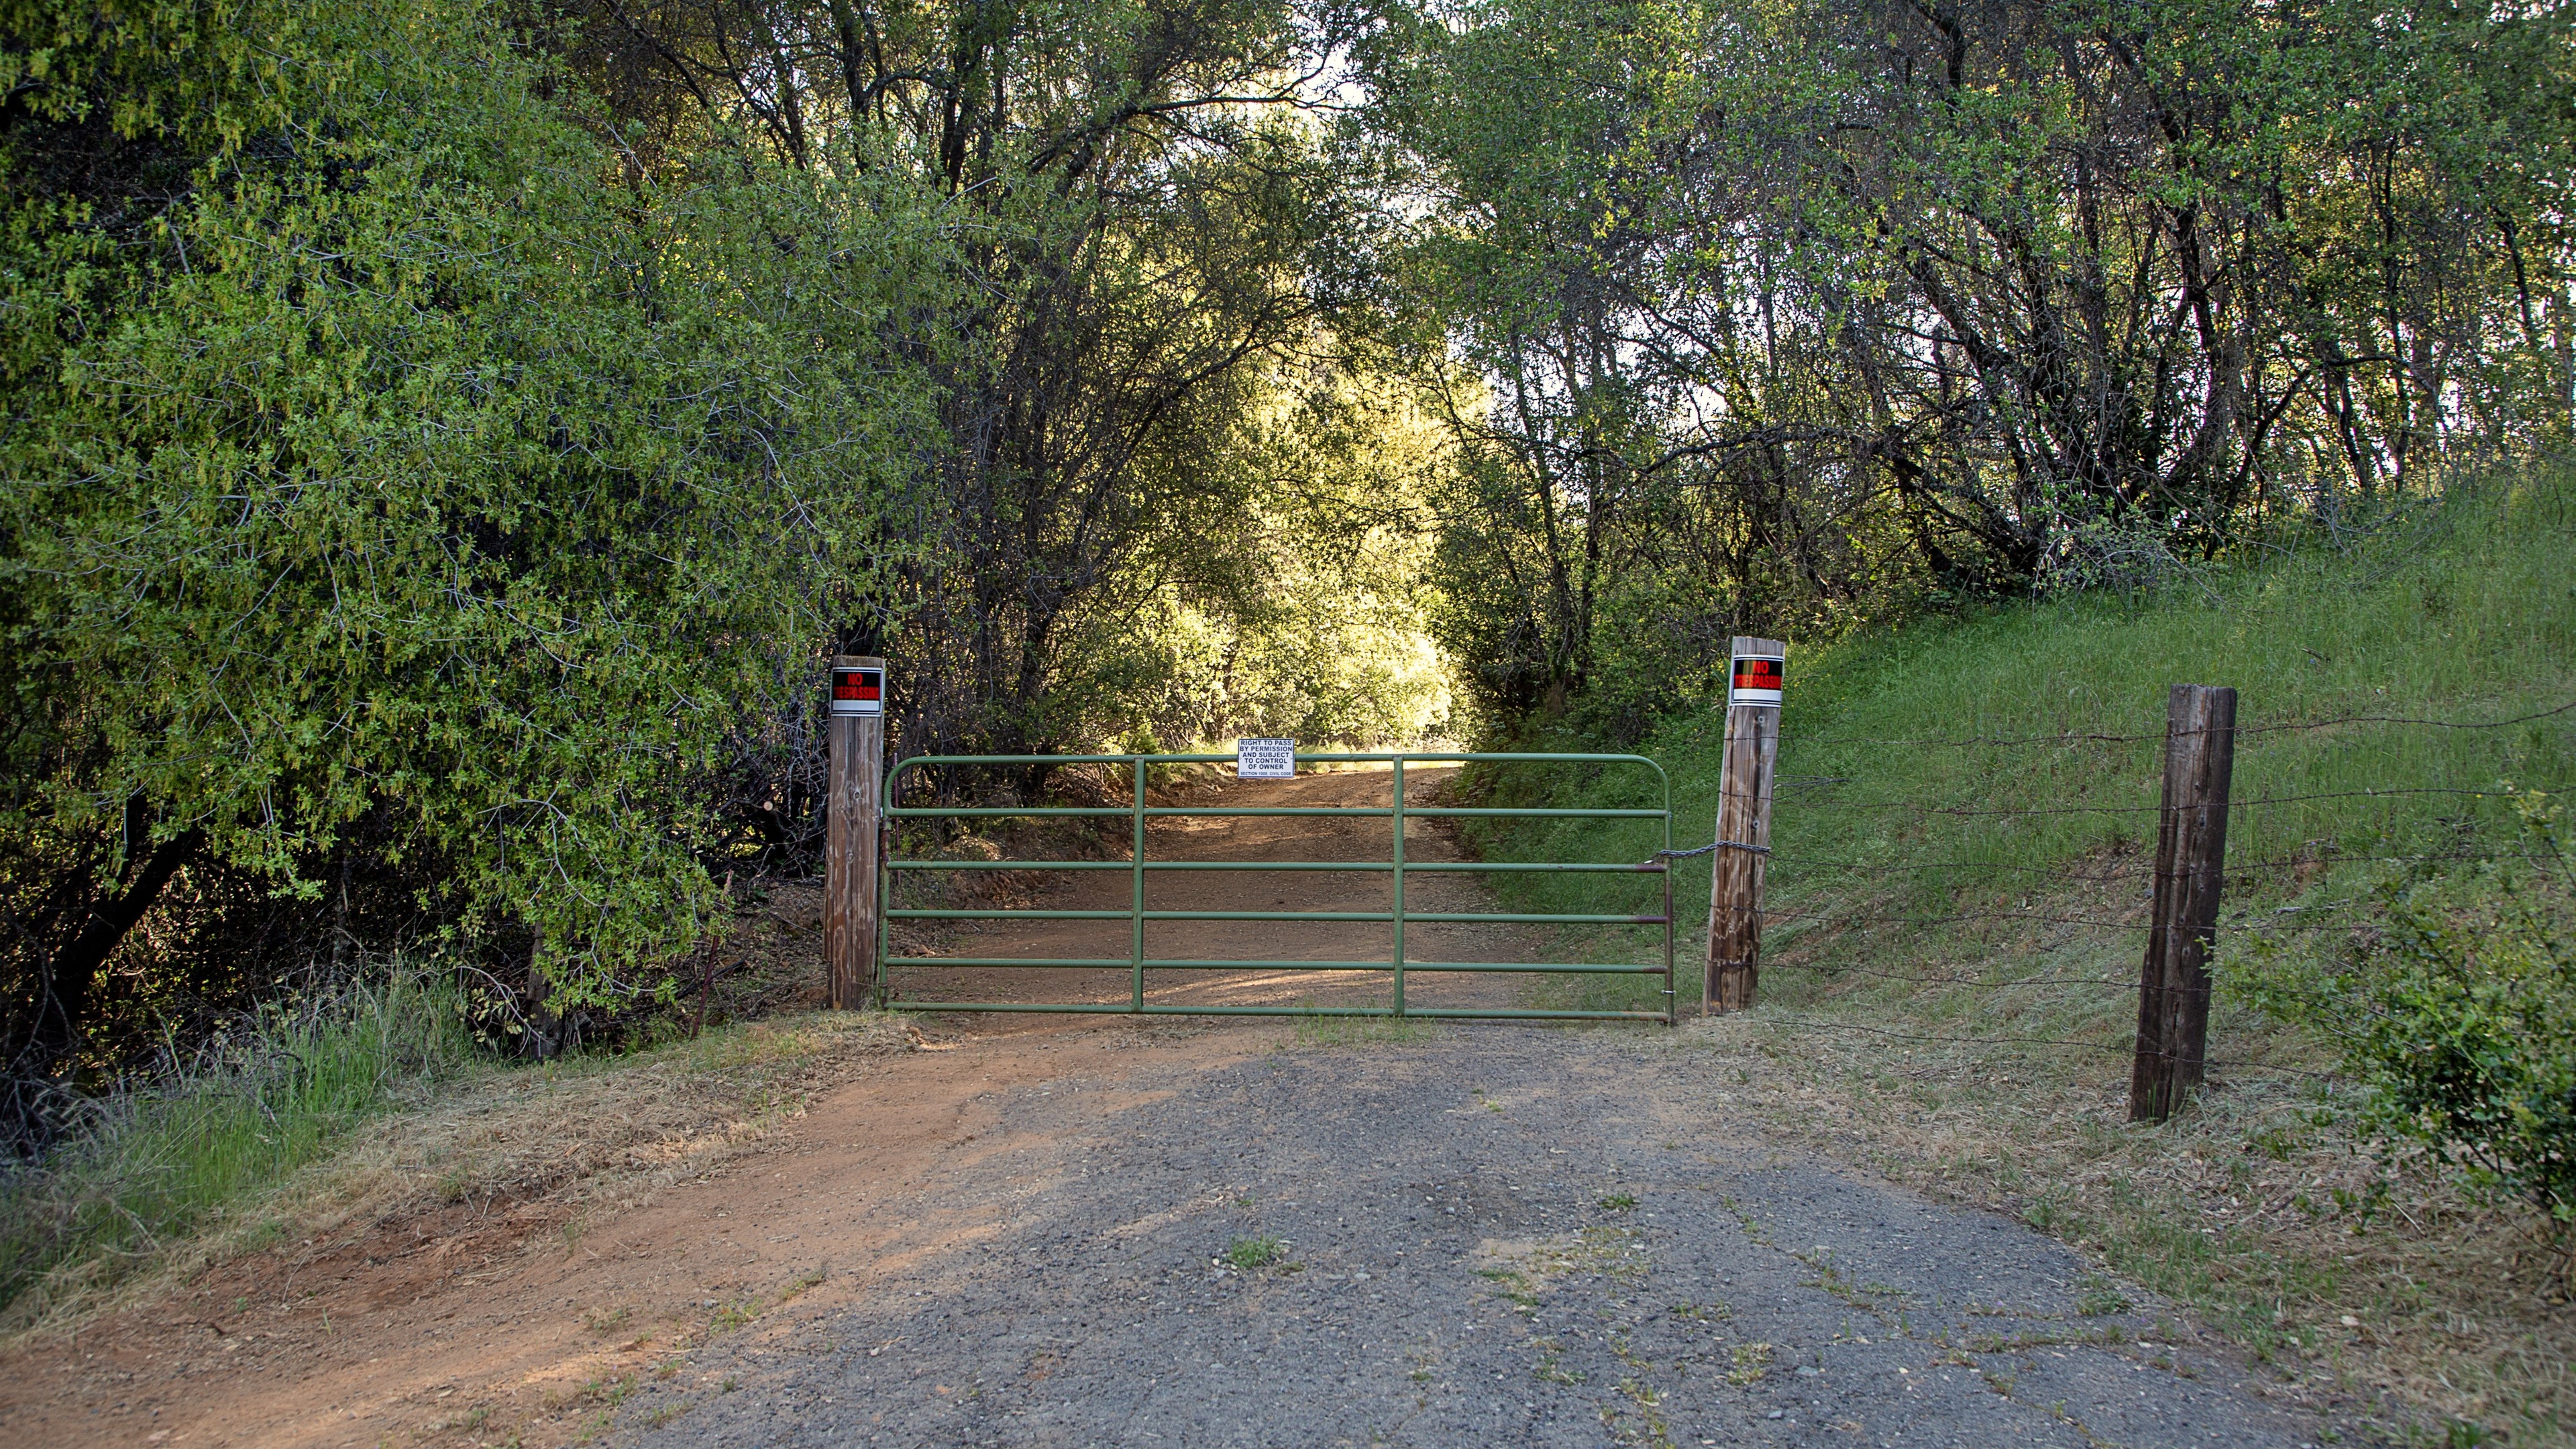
1128, 963
1007, 811
1466, 1013
909, 913
1303, 757
1263, 812
1503, 813
1528, 918
1442, 1013
1485, 867
1449, 918
1011, 865
1000, 913
1411, 867
1355, 865
1104, 963
1566, 968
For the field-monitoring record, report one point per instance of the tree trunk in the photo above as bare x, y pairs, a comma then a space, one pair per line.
72, 977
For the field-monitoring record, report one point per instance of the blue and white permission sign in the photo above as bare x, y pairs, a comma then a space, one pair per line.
1265, 759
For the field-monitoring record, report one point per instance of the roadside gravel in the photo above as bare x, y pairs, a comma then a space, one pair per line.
1485, 1235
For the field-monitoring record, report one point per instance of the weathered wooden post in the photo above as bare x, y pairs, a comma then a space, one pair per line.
1743, 825
2191, 868
856, 726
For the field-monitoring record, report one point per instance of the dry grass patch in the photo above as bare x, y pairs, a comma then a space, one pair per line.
2257, 1208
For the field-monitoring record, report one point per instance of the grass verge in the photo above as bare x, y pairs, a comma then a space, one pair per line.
174, 1185
156, 1163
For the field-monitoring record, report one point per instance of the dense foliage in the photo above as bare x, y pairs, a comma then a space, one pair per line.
382, 471
1149, 249
441, 445
2456, 1011
441, 451
1787, 317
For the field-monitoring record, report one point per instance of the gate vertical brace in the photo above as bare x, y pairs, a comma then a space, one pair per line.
2191, 870
1136, 876
1668, 924
1743, 839
1399, 886
882, 990
856, 743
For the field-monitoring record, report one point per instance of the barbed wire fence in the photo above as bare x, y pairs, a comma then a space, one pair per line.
2283, 839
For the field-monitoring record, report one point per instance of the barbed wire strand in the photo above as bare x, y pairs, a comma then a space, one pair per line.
2239, 923
1977, 981
2130, 1050
1857, 867
2157, 809
2142, 869
1773, 913
2098, 737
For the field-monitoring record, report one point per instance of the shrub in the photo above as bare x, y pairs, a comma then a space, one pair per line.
2456, 1010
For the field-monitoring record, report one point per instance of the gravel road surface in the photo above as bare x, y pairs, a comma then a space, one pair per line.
1486, 1235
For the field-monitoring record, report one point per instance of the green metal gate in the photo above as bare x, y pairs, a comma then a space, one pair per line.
1396, 963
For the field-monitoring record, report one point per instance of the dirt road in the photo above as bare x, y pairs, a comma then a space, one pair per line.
1176, 1233
1502, 1235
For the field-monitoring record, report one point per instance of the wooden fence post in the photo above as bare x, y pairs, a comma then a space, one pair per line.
1743, 825
2191, 869
856, 726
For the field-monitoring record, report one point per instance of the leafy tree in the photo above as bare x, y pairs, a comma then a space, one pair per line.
383, 453
1794, 316
1294, 601
1141, 225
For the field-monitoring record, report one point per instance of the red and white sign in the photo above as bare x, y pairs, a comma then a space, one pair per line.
1757, 679
857, 691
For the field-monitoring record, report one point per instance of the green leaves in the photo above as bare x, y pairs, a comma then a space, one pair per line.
2458, 1013
1815, 312
408, 464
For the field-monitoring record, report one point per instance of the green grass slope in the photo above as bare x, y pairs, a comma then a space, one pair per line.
1959, 766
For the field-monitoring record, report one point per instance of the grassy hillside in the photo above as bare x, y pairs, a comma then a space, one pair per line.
2464, 614
1950, 994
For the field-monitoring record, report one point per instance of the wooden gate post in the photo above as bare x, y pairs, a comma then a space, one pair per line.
2191, 868
1743, 825
856, 726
